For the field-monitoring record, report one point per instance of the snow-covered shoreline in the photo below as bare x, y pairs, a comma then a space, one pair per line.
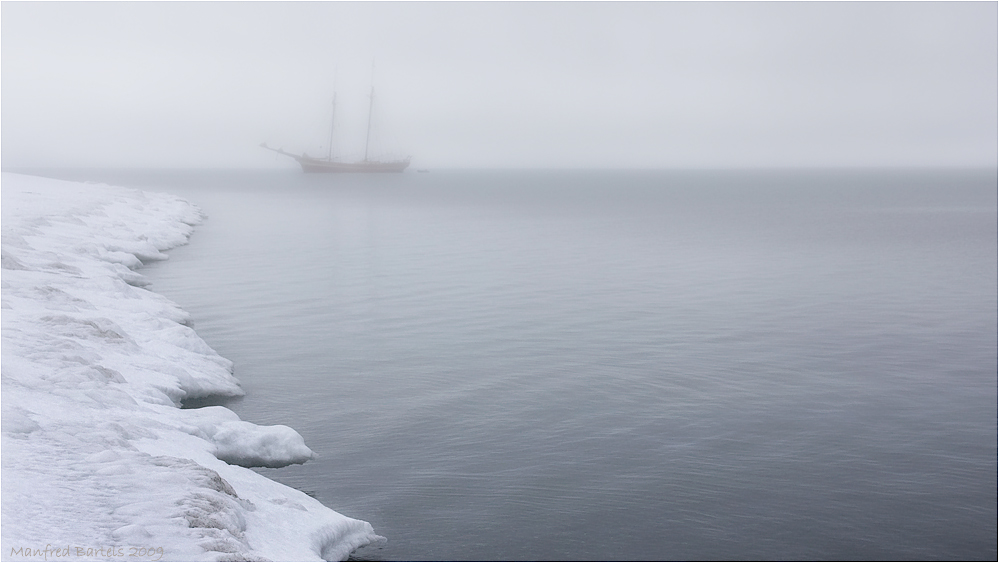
98, 460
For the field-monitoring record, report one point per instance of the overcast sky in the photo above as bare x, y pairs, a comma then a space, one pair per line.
504, 84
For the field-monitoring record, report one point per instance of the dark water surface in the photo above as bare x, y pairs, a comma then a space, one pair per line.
615, 365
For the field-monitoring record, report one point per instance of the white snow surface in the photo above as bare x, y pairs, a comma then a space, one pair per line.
96, 452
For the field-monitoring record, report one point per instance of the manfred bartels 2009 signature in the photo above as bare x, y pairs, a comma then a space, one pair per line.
105, 552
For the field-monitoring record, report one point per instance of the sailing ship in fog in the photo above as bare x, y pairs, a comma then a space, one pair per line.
330, 164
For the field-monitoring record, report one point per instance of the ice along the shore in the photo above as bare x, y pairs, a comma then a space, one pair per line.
99, 460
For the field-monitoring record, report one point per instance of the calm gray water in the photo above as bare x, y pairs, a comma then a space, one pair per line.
615, 365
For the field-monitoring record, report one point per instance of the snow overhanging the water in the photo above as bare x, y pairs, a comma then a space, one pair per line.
96, 451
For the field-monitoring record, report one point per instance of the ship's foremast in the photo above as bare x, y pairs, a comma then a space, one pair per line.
329, 155
367, 137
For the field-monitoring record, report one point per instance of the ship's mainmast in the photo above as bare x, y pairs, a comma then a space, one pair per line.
367, 137
329, 156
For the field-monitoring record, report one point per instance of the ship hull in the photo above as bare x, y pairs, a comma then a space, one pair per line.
314, 166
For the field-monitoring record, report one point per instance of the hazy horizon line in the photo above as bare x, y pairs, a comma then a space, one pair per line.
413, 170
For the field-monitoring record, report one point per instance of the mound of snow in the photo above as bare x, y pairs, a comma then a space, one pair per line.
98, 460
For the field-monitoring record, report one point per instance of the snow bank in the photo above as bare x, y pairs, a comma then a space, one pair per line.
98, 460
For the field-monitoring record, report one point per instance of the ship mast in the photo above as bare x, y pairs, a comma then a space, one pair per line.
367, 137
329, 156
